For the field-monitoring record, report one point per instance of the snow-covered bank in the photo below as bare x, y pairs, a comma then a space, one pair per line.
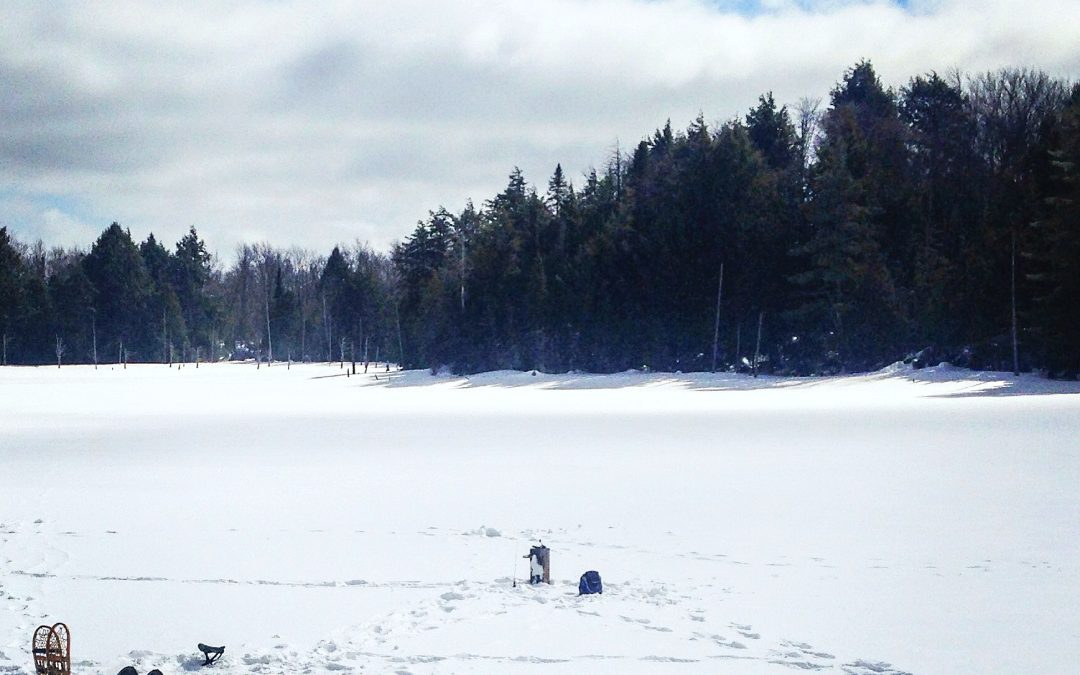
925, 519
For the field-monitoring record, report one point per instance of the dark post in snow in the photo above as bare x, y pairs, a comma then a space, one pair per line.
757, 346
738, 344
59, 349
197, 357
716, 324
352, 355
461, 240
360, 332
329, 338
269, 338
93, 332
1015, 341
401, 349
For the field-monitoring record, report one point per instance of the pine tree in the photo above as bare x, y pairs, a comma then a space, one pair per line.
72, 299
772, 132
122, 291
858, 250
1057, 253
162, 303
12, 294
850, 304
1016, 113
191, 275
945, 208
283, 319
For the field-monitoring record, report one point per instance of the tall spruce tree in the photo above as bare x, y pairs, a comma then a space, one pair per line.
1056, 254
163, 307
122, 291
772, 132
857, 238
945, 209
191, 275
74, 316
12, 295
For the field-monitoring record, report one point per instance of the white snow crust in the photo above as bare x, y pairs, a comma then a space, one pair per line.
897, 522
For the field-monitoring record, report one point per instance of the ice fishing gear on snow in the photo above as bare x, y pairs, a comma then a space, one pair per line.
590, 583
210, 654
52, 650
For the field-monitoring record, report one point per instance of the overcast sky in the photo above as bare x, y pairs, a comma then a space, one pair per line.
312, 123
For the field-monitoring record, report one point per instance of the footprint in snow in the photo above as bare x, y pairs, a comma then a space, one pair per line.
808, 650
801, 656
860, 667
733, 644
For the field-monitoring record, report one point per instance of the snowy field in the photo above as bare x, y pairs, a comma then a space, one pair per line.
897, 522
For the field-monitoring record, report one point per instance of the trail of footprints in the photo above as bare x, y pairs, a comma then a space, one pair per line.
377, 640
436, 613
16, 600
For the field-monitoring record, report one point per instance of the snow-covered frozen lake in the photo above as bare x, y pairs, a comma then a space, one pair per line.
885, 523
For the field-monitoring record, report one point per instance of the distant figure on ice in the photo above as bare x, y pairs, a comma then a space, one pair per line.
536, 569
538, 562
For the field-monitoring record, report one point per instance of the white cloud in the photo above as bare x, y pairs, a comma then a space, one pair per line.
66, 229
309, 124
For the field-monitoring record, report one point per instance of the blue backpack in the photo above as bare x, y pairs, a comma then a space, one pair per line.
590, 583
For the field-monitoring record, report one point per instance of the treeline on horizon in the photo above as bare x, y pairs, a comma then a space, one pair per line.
940, 222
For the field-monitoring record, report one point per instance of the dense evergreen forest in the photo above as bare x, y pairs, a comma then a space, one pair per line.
940, 222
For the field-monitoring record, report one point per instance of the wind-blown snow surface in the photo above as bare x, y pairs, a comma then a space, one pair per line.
921, 522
